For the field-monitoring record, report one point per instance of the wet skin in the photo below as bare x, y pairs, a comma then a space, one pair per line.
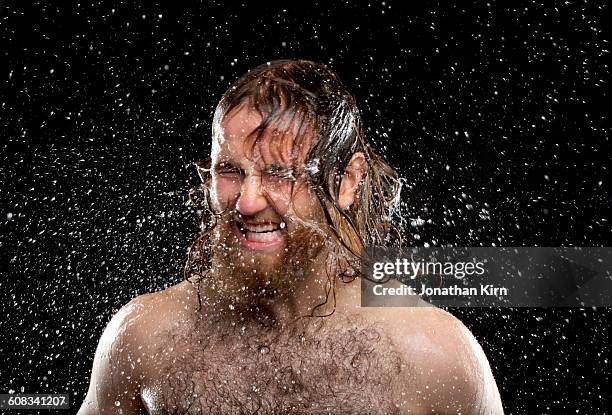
162, 354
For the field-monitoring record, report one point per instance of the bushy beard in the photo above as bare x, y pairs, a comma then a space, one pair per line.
244, 278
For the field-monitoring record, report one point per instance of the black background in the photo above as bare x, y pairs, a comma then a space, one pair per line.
495, 114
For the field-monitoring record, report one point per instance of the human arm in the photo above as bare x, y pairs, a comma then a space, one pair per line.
115, 380
450, 373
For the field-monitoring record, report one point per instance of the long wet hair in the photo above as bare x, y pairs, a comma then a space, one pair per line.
309, 98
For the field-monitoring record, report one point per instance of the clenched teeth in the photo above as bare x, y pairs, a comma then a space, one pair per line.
261, 228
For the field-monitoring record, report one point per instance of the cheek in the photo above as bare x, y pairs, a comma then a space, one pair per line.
225, 192
306, 205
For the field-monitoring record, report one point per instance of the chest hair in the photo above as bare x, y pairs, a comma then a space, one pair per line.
316, 366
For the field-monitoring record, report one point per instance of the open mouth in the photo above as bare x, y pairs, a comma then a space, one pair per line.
260, 235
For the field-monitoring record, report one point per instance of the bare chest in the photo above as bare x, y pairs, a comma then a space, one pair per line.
314, 370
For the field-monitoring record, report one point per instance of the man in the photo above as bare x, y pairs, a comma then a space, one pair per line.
268, 319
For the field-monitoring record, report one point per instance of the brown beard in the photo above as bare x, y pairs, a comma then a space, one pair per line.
242, 278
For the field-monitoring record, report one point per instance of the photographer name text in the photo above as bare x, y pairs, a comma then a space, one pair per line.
483, 290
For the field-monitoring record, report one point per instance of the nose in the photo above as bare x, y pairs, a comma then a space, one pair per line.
251, 199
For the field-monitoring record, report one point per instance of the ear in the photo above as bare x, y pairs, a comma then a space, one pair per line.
350, 180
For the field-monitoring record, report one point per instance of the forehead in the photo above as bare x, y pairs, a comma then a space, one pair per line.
236, 126
240, 140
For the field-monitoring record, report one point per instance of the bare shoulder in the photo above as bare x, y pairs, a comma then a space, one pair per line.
180, 298
125, 353
449, 367
141, 328
146, 317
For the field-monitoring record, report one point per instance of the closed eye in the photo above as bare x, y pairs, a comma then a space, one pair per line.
228, 169
280, 172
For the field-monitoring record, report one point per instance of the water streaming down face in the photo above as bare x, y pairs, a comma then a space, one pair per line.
297, 118
269, 221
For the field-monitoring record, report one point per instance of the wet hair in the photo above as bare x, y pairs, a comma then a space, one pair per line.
309, 98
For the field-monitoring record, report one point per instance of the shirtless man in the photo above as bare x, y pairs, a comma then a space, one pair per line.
268, 319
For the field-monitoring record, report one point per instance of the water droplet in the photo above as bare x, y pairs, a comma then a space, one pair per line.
264, 349
117, 403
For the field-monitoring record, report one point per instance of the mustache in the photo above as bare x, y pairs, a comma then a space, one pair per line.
291, 221
233, 215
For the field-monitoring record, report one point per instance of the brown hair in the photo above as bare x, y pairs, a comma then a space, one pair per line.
310, 95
